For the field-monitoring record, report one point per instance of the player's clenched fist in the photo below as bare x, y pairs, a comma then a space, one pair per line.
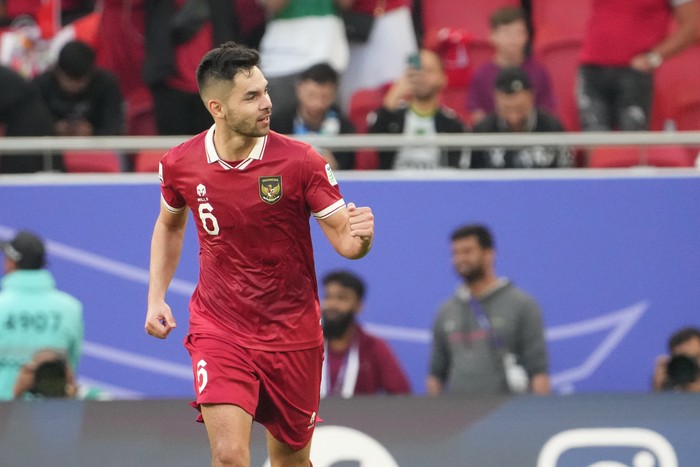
361, 221
159, 320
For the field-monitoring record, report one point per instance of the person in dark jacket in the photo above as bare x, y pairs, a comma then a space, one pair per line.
412, 106
316, 113
516, 113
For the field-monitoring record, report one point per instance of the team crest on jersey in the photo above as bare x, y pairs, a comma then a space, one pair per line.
270, 189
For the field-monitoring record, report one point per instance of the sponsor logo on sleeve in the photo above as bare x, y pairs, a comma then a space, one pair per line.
331, 176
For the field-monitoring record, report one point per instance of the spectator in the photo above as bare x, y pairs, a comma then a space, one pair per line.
355, 362
83, 99
509, 37
50, 375
624, 43
382, 58
489, 331
412, 107
177, 35
680, 370
299, 34
34, 314
23, 113
316, 113
516, 113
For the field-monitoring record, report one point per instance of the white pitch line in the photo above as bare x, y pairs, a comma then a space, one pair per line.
135, 360
100, 263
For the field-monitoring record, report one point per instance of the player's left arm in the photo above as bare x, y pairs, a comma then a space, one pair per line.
350, 230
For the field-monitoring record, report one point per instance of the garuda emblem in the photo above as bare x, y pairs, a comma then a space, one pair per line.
270, 189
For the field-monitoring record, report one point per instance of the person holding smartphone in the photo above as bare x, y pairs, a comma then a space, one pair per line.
412, 106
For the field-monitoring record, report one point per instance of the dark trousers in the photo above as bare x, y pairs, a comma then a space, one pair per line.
614, 98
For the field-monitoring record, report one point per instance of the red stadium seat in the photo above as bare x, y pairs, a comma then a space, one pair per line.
561, 60
676, 91
91, 161
630, 156
559, 28
147, 160
455, 99
556, 21
472, 16
362, 102
140, 118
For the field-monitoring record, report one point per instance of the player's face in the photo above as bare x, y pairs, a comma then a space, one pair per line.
469, 259
314, 100
247, 108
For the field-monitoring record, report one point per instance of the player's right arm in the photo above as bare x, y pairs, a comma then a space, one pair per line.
166, 246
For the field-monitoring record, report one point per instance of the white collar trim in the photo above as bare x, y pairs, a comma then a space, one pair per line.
212, 156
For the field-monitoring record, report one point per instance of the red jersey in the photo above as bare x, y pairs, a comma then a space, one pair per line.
257, 282
377, 370
620, 29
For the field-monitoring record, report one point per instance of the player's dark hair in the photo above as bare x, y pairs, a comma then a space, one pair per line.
321, 73
224, 62
507, 15
346, 279
682, 336
76, 59
481, 232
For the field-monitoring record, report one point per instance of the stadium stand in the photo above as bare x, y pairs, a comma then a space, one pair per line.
91, 161
558, 34
362, 102
630, 156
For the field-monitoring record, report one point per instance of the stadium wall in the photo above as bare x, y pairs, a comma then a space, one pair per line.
611, 256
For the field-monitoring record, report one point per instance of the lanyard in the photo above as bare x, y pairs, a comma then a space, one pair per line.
483, 320
347, 375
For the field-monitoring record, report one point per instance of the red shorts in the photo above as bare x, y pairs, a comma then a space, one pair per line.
281, 390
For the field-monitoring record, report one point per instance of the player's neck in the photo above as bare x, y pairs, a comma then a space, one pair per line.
232, 147
342, 343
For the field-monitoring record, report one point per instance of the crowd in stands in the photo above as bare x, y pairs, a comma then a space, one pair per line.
106, 67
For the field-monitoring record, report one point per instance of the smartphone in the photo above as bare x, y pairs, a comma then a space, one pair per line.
414, 61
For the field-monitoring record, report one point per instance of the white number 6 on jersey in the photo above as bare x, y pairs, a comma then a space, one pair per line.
202, 377
205, 214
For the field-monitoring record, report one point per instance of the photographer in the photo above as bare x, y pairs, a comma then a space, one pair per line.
47, 375
681, 370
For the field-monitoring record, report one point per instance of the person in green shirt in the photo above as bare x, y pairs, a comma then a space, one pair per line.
34, 314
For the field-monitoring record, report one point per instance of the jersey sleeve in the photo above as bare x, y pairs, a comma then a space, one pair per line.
321, 191
171, 199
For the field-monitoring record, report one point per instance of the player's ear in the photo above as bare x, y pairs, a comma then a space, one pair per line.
215, 107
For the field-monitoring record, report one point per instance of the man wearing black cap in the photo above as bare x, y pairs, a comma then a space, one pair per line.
34, 315
516, 113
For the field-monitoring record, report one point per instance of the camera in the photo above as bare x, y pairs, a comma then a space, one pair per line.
681, 370
50, 379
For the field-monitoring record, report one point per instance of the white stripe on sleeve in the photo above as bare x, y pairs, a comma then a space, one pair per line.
169, 207
330, 210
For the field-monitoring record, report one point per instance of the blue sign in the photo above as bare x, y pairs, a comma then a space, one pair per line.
611, 260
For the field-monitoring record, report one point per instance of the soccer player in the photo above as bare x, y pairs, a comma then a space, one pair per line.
255, 336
